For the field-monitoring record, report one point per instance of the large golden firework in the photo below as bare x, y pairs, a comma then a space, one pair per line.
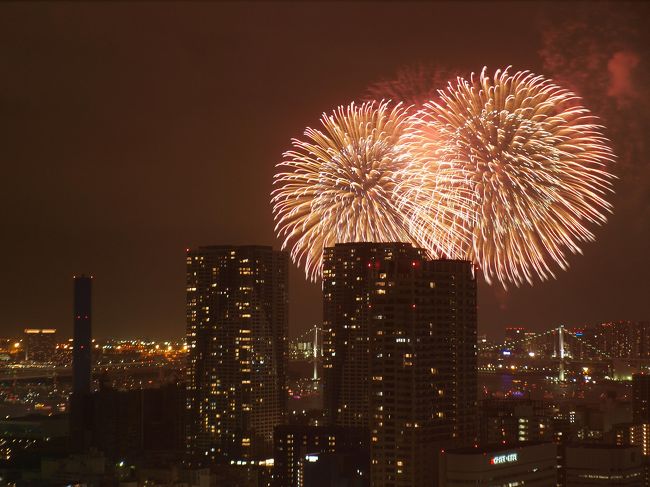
510, 172
338, 184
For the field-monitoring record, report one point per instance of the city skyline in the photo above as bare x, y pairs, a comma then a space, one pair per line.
404, 385
120, 168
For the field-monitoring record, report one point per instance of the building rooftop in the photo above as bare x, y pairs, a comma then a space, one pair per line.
602, 446
495, 448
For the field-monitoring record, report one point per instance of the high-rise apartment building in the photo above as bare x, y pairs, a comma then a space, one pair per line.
620, 339
641, 398
400, 354
640, 430
237, 298
348, 292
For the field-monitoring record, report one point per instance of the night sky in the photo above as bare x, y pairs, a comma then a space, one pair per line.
131, 131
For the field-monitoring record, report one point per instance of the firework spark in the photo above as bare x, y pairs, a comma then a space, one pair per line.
338, 185
513, 169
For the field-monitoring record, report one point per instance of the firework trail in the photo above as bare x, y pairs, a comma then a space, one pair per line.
337, 185
513, 169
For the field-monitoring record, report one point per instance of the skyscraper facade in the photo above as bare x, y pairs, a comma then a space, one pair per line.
640, 431
620, 339
82, 340
400, 354
641, 398
237, 299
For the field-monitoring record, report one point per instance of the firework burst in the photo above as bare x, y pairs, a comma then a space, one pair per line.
510, 172
337, 185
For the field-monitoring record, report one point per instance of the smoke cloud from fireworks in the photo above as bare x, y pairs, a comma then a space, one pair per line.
621, 68
600, 51
413, 85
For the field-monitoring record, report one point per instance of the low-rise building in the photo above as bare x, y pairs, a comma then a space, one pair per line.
604, 465
529, 464
297, 446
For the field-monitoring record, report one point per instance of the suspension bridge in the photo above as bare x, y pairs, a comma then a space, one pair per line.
313, 337
559, 349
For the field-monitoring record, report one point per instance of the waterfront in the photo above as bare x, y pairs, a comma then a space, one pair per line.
540, 387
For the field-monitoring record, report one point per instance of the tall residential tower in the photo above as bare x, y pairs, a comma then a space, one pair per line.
400, 354
236, 333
